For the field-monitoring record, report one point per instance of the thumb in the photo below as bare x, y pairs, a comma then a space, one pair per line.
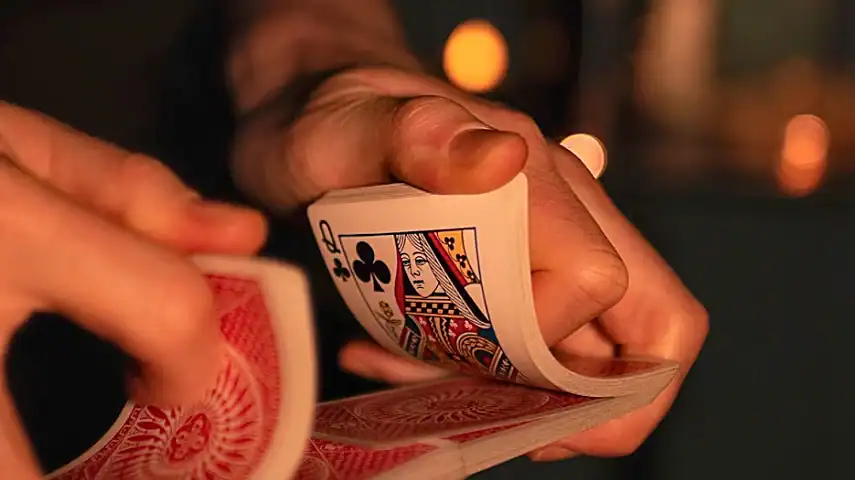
362, 139
16, 456
437, 145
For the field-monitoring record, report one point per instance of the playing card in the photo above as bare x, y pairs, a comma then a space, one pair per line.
325, 459
435, 410
470, 436
255, 421
440, 409
446, 279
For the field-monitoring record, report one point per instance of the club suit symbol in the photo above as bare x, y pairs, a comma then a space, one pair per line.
368, 269
340, 270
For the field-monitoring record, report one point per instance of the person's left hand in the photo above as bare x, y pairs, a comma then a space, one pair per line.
599, 288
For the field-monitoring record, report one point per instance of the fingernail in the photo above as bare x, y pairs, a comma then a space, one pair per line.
552, 453
473, 145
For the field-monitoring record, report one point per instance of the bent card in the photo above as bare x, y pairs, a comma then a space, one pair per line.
255, 421
446, 279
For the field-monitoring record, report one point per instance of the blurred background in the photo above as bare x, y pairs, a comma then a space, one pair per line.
728, 127
725, 129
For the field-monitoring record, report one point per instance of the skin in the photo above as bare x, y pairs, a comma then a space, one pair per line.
75, 215
600, 289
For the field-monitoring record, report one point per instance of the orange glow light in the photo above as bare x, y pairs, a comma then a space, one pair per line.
804, 155
476, 56
590, 150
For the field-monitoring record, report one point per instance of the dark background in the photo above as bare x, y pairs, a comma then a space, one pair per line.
771, 394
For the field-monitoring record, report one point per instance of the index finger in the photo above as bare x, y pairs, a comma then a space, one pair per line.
153, 303
134, 188
657, 316
18, 461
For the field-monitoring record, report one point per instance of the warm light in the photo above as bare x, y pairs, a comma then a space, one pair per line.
590, 150
476, 56
804, 155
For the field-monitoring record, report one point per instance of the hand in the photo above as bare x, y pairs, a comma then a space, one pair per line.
599, 287
97, 233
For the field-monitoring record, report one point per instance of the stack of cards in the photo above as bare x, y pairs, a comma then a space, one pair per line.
443, 279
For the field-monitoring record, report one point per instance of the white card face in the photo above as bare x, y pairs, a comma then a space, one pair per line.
439, 278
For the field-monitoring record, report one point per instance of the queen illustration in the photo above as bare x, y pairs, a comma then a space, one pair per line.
441, 295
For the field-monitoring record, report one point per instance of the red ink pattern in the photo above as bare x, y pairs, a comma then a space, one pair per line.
223, 437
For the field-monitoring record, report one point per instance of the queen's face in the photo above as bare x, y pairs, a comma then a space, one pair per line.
418, 270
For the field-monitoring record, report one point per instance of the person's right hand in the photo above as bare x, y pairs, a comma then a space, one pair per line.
100, 235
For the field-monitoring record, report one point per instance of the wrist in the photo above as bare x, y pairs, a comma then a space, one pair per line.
289, 48
261, 130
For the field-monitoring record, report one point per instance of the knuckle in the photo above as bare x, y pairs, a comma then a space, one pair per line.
371, 77
8, 114
187, 308
305, 176
602, 277
14, 210
699, 321
522, 123
423, 126
626, 446
137, 168
519, 118
415, 113
9, 111
144, 185
6, 109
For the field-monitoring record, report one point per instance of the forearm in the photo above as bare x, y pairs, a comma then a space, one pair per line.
275, 41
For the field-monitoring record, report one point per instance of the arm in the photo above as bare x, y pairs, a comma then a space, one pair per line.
276, 41
279, 51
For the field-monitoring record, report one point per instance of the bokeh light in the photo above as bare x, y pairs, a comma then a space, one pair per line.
476, 56
804, 155
590, 150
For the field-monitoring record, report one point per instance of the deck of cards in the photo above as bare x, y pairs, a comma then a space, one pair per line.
442, 279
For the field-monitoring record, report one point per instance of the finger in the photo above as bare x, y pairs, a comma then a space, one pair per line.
151, 302
588, 341
369, 360
439, 146
428, 142
576, 273
15, 454
135, 189
552, 453
657, 316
